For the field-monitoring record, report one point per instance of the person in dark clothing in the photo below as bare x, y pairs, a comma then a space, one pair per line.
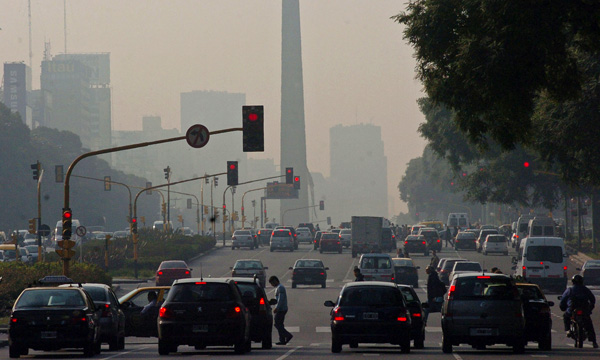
435, 292
358, 276
579, 296
280, 310
435, 260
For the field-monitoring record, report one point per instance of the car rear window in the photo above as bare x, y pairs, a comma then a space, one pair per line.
248, 265
96, 293
500, 238
281, 233
309, 263
466, 235
49, 298
467, 266
371, 296
329, 236
346, 232
484, 287
173, 265
241, 233
199, 292
375, 262
545, 253
402, 262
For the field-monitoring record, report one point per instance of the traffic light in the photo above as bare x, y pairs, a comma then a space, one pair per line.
216, 181
189, 203
164, 208
180, 218
134, 225
58, 174
289, 175
205, 209
297, 182
107, 183
225, 217
232, 173
67, 218
36, 170
322, 205
32, 226
167, 171
526, 164
253, 126
329, 220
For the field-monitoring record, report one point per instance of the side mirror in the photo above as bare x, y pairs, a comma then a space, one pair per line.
191, 269
329, 303
326, 268
265, 268
273, 302
550, 303
425, 305
291, 268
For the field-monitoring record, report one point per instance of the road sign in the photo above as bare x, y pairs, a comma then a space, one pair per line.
197, 136
281, 191
65, 253
81, 231
66, 244
44, 230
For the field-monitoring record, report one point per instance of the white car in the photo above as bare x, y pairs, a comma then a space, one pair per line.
304, 235
495, 243
346, 237
464, 267
242, 238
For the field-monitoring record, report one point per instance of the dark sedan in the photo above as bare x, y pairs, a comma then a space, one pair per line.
330, 242
538, 318
405, 272
417, 330
171, 270
465, 240
370, 312
54, 318
416, 244
317, 239
309, 272
261, 314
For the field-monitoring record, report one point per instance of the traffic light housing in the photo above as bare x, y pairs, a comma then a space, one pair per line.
167, 171
297, 182
216, 181
189, 203
134, 225
164, 208
36, 170
232, 173
253, 128
289, 175
321, 205
107, 183
67, 222
32, 225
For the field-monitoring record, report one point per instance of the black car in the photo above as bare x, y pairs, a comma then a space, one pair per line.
388, 239
317, 240
538, 317
204, 312
405, 272
112, 318
432, 237
416, 244
370, 312
261, 315
417, 329
264, 236
309, 272
54, 318
465, 240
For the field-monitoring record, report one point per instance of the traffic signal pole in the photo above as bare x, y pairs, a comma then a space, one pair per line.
300, 208
243, 196
39, 213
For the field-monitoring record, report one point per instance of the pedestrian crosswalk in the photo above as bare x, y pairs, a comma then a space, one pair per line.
327, 329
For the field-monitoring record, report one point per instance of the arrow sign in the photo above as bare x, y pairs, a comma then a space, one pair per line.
197, 136
65, 253
66, 244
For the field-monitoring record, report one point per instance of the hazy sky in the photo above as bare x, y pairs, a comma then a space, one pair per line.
357, 69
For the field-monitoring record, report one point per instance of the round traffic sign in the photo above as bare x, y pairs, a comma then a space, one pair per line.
44, 230
81, 230
197, 136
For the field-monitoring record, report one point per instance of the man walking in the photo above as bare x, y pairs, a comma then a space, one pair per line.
280, 310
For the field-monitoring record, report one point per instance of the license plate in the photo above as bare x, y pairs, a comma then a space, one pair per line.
200, 328
48, 335
481, 331
370, 316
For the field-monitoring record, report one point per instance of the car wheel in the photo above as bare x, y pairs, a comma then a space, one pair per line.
323, 285
98, 347
446, 345
546, 342
519, 347
293, 285
240, 347
405, 345
336, 345
122, 343
113, 344
14, 351
89, 349
420, 341
164, 348
267, 341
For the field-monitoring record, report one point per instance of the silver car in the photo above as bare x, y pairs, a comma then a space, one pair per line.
304, 235
242, 238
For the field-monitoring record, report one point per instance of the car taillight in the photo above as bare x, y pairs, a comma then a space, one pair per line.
451, 291
579, 312
524, 271
564, 271
416, 315
322, 273
337, 315
424, 242
261, 301
187, 272
406, 242
165, 313
106, 311
438, 240
159, 273
235, 312
77, 320
14, 320
402, 318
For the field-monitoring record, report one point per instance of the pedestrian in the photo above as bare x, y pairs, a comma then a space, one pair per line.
448, 237
435, 260
280, 310
358, 276
435, 293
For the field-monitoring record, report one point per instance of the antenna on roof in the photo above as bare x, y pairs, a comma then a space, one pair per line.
201, 276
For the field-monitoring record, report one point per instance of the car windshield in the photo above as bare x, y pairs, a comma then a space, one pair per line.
309, 264
545, 253
484, 287
248, 265
199, 292
371, 296
96, 293
173, 265
49, 298
403, 262
375, 262
241, 233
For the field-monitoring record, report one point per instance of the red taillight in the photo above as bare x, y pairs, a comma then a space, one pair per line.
165, 313
322, 273
237, 309
402, 318
416, 315
541, 263
159, 273
261, 301
337, 315
483, 277
524, 271
187, 272
579, 312
517, 236
13, 320
564, 271
201, 283
235, 312
406, 242
451, 291
423, 242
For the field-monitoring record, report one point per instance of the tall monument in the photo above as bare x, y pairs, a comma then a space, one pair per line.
293, 135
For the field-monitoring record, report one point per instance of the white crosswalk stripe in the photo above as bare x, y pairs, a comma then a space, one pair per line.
323, 329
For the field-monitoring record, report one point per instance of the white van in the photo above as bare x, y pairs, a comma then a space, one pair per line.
58, 231
541, 226
376, 267
460, 220
521, 231
543, 261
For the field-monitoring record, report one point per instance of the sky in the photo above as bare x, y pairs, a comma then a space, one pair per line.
356, 66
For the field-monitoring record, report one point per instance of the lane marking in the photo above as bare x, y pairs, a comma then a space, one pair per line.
323, 329
124, 353
293, 329
433, 329
272, 291
289, 353
456, 356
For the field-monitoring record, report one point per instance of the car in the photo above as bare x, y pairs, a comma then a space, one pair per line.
416, 244
465, 240
317, 239
482, 236
483, 309
414, 230
26, 257
132, 304
250, 268
415, 307
376, 267
346, 237
495, 243
538, 317
264, 236
294, 235
304, 235
281, 239
591, 272
446, 268
310, 226
543, 261
309, 272
242, 238
261, 314
171, 270
53, 318
370, 312
204, 312
388, 239
186, 231
330, 242
432, 237
463, 267
112, 318
405, 271
120, 235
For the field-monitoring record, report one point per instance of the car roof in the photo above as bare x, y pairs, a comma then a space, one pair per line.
98, 285
375, 255
480, 273
247, 280
370, 283
207, 280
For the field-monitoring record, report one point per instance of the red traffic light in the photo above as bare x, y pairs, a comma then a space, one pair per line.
134, 220
232, 166
67, 214
289, 171
253, 116
526, 164
224, 206
297, 178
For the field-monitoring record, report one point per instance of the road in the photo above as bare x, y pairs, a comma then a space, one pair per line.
308, 319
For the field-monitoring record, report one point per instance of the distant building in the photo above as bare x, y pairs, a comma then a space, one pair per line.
358, 175
17, 89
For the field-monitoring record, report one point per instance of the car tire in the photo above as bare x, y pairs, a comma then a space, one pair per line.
164, 348
293, 285
267, 341
240, 347
324, 285
122, 342
546, 342
321, 251
14, 351
405, 345
113, 343
519, 347
271, 249
89, 349
446, 345
336, 345
420, 341
98, 347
